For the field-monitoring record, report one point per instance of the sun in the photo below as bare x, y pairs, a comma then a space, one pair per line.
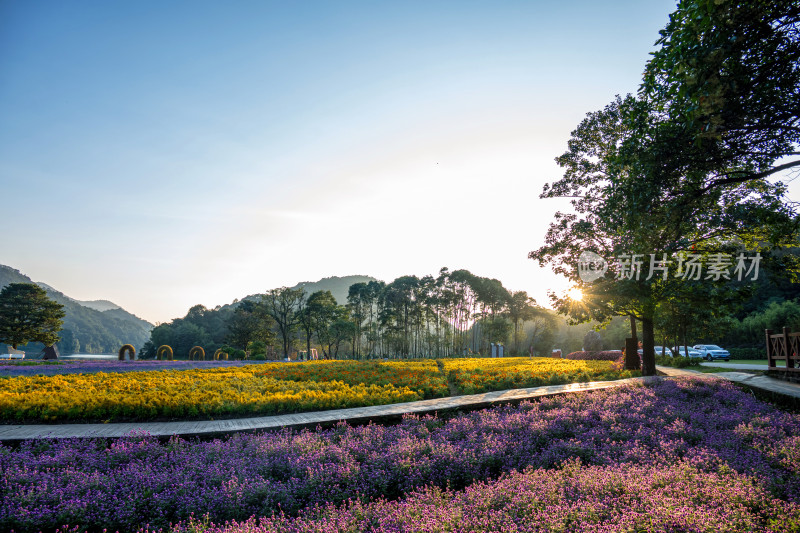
575, 294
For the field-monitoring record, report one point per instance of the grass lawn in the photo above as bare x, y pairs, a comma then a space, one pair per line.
717, 369
745, 362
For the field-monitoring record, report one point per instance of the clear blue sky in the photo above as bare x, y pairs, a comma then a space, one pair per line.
165, 154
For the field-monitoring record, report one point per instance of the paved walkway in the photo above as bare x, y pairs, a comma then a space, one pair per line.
376, 413
763, 383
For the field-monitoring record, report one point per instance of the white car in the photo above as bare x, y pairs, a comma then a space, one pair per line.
660, 351
712, 351
693, 354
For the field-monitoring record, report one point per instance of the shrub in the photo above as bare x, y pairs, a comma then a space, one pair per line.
606, 355
748, 353
678, 361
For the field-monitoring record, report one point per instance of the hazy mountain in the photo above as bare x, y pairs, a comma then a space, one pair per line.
339, 286
97, 305
96, 326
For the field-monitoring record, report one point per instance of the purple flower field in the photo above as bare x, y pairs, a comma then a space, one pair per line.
574, 497
690, 454
13, 369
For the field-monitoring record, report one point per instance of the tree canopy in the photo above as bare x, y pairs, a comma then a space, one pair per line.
28, 315
728, 74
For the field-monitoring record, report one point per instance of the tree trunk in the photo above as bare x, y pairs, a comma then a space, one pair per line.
632, 361
685, 346
631, 354
648, 348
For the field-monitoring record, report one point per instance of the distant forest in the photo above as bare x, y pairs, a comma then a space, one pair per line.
451, 314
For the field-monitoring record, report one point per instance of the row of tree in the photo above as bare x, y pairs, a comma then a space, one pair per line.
381, 320
453, 313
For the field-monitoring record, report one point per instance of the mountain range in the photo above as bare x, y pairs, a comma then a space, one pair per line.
95, 326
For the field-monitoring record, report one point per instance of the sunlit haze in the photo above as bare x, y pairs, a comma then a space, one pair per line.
166, 154
575, 294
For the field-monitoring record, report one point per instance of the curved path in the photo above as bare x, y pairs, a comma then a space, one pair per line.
217, 428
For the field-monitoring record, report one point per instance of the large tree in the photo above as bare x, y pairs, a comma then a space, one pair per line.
398, 313
521, 307
360, 303
283, 305
250, 322
727, 76
627, 204
316, 314
683, 167
326, 316
28, 315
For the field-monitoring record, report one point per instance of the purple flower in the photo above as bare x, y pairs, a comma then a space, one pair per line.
690, 454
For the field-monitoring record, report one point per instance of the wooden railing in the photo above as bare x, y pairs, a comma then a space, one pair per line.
783, 347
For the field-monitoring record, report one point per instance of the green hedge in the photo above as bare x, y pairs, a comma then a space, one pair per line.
678, 361
748, 353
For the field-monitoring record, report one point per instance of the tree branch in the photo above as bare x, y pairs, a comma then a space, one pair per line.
748, 177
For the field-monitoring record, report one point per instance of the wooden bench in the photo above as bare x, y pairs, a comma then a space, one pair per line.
783, 346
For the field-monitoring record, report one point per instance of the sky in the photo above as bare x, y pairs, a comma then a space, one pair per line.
167, 154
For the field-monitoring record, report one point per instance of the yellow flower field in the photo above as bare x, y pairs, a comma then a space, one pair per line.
180, 394
274, 388
475, 375
421, 375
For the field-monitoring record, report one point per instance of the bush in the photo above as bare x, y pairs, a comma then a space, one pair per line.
235, 353
606, 355
678, 361
748, 353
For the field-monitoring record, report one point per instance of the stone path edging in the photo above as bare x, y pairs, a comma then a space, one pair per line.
216, 428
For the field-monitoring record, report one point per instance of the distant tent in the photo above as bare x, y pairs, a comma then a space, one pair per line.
50, 352
12, 351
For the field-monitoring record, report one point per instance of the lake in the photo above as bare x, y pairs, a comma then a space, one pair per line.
90, 356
